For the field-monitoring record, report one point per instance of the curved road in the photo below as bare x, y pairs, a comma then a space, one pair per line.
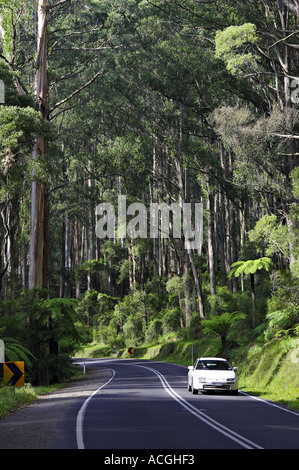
146, 405
135, 404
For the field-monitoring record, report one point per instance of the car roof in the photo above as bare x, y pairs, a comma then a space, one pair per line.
212, 359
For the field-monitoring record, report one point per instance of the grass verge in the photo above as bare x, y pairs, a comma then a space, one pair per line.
14, 398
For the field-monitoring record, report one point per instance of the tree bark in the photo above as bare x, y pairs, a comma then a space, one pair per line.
253, 300
197, 282
38, 273
211, 257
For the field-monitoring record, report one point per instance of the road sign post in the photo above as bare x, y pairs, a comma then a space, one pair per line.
2, 351
2, 92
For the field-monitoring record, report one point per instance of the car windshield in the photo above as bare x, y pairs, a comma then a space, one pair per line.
213, 365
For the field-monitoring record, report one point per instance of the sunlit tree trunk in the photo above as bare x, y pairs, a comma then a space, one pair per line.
39, 203
285, 6
211, 259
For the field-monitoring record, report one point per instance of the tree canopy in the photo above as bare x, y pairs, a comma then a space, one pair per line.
186, 102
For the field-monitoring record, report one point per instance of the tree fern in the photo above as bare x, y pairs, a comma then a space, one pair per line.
250, 267
15, 351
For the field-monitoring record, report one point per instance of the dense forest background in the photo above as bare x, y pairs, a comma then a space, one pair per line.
183, 101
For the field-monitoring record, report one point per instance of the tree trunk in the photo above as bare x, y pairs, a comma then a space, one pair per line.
38, 237
211, 257
253, 300
67, 257
197, 282
76, 254
39, 198
62, 261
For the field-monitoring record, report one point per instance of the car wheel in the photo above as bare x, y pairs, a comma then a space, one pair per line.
194, 391
234, 392
189, 387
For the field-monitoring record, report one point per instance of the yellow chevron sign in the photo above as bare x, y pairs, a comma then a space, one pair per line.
14, 373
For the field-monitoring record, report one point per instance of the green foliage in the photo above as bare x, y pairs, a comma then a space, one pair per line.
282, 322
46, 333
18, 128
154, 331
172, 320
12, 398
270, 371
155, 297
134, 327
15, 351
270, 234
223, 301
15, 15
175, 285
250, 266
65, 325
194, 329
146, 128
232, 46
285, 290
219, 325
283, 319
129, 316
12, 98
96, 308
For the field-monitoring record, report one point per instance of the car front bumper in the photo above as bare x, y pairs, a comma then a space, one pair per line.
217, 386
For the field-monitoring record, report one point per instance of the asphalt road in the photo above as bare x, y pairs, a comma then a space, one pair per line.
132, 404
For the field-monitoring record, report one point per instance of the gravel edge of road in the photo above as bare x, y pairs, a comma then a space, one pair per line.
41, 424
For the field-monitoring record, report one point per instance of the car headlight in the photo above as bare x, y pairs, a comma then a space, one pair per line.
230, 380
202, 379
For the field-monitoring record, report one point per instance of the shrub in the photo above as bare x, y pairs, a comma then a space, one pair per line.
51, 329
154, 330
172, 320
219, 325
282, 322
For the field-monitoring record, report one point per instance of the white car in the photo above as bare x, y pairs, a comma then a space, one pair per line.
212, 373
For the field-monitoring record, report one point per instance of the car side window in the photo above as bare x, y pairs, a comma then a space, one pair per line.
200, 365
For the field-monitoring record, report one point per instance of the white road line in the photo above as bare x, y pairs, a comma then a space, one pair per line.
80, 416
246, 443
267, 402
270, 403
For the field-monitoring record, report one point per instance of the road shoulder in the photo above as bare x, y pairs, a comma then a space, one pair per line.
50, 422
